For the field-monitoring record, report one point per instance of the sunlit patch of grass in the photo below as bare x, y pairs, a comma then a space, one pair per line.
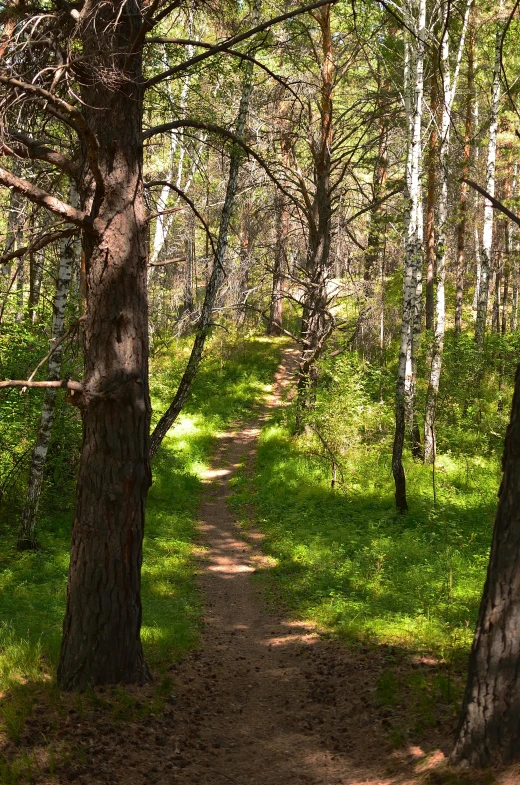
344, 558
33, 585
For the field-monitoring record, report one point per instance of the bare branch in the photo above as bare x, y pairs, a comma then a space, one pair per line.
226, 50
217, 129
495, 202
169, 211
68, 114
34, 149
190, 203
66, 384
232, 41
44, 199
167, 261
53, 348
40, 243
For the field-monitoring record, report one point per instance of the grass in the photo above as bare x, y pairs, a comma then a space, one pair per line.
341, 557
230, 386
345, 560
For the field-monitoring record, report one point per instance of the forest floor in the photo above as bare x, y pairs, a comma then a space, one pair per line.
264, 700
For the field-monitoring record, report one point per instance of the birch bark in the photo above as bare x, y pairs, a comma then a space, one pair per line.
69, 254
414, 81
487, 231
449, 90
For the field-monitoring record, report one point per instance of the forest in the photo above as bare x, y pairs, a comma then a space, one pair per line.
259, 392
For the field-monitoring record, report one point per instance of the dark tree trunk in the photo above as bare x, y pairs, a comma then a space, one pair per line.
189, 246
430, 207
315, 321
463, 201
489, 725
376, 230
274, 326
101, 632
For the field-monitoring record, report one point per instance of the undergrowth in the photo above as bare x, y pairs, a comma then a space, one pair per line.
341, 557
233, 378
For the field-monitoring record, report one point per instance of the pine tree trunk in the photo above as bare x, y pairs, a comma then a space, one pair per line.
189, 247
68, 256
274, 326
489, 725
315, 325
376, 230
101, 632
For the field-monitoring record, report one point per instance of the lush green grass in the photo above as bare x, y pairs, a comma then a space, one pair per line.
33, 585
341, 556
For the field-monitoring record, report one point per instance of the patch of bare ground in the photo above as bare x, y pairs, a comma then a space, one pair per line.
265, 700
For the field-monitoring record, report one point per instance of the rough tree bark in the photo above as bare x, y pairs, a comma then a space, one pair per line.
101, 630
274, 326
315, 322
489, 725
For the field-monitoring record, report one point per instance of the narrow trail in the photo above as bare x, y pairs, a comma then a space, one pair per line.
266, 701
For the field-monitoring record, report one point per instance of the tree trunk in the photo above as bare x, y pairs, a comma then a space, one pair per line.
68, 255
449, 89
189, 247
217, 274
413, 251
430, 202
376, 230
487, 233
101, 632
274, 326
489, 725
315, 324
463, 201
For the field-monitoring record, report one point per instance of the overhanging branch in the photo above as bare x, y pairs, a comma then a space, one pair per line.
34, 149
187, 199
44, 199
225, 50
40, 243
495, 202
232, 41
217, 129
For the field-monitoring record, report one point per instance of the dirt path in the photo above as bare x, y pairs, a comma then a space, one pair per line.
266, 701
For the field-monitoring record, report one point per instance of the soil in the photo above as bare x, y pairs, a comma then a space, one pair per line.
266, 700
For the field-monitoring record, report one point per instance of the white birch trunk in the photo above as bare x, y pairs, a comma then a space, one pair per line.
416, 13
487, 231
68, 255
449, 89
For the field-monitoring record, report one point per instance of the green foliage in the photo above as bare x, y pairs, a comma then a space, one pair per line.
232, 380
22, 346
341, 556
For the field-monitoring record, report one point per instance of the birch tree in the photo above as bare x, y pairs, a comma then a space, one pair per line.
487, 230
449, 85
69, 253
413, 99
